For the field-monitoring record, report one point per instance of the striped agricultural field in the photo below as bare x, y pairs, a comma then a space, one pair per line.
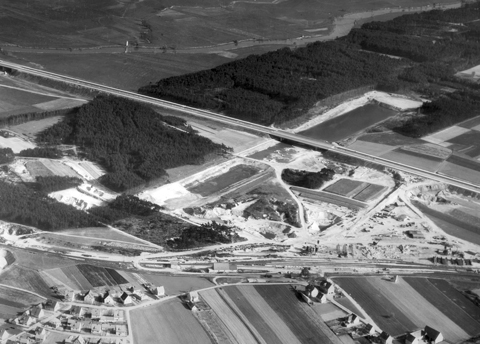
265, 320
413, 305
236, 326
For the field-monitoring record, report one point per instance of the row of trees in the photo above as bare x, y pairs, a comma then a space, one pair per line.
41, 152
306, 179
134, 143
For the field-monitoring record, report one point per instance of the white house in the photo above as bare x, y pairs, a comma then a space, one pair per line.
126, 299
385, 338
353, 319
108, 299
193, 296
158, 291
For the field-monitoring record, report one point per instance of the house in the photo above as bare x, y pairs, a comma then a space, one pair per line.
89, 297
353, 319
70, 296
370, 329
37, 311
433, 335
414, 337
311, 291
108, 299
52, 305
126, 299
322, 298
306, 298
193, 296
29, 321
76, 311
158, 291
385, 338
74, 325
7, 333
121, 330
327, 287
75, 340
40, 332
54, 323
96, 328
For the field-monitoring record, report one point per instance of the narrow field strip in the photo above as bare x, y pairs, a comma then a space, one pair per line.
417, 308
233, 323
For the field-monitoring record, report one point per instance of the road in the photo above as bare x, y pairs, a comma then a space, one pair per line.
277, 133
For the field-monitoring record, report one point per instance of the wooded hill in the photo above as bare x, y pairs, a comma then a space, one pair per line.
131, 141
281, 85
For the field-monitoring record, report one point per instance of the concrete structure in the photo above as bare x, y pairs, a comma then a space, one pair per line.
433, 335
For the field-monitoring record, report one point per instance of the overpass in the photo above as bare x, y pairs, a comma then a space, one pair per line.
273, 132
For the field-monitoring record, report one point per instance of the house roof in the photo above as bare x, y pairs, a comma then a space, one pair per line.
432, 333
410, 338
384, 335
124, 296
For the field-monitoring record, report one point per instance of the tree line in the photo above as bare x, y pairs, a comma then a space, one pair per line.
131, 141
306, 179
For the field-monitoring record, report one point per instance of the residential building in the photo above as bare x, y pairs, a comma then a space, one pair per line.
353, 319
385, 338
158, 291
121, 330
108, 299
327, 287
126, 299
193, 296
96, 328
433, 335
89, 297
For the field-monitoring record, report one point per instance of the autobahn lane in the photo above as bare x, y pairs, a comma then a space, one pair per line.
285, 135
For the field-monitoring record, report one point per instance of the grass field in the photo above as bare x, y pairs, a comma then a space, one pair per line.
390, 139
13, 301
86, 277
38, 169
101, 233
297, 315
378, 306
447, 306
32, 128
13, 99
371, 148
234, 175
241, 330
461, 172
346, 187
328, 311
24, 278
446, 135
471, 123
167, 323
269, 325
414, 159
370, 192
329, 198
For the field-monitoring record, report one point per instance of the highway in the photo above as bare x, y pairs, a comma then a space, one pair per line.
277, 133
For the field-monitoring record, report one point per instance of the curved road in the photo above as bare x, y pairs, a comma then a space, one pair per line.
277, 133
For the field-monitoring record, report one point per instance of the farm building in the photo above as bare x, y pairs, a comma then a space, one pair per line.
126, 299
193, 296
311, 291
353, 319
322, 298
224, 267
433, 335
327, 287
414, 337
385, 338
158, 291
89, 297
